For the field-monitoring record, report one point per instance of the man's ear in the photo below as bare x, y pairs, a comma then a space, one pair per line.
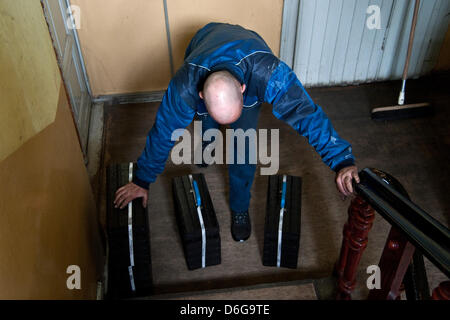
200, 93
243, 87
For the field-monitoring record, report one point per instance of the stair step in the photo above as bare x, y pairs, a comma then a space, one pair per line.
292, 290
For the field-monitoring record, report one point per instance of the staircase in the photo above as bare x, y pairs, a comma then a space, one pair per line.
293, 290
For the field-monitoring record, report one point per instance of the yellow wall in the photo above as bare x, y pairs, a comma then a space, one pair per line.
30, 82
48, 214
186, 17
125, 46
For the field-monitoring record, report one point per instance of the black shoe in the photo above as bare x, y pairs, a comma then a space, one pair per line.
241, 227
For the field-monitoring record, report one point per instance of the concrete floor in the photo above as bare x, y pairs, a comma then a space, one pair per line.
415, 151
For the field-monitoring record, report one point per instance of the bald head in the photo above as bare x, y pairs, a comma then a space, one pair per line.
222, 94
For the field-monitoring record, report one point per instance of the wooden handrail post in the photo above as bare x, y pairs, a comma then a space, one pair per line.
395, 259
354, 242
442, 292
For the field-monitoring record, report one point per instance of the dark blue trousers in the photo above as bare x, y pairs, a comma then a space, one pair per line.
240, 175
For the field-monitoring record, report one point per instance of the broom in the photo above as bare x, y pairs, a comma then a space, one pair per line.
402, 110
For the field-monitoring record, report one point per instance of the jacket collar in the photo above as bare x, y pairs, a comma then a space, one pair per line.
231, 68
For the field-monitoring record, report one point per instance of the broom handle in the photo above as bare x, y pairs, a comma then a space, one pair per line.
401, 99
411, 39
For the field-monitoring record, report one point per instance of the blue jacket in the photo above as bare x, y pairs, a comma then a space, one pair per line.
244, 54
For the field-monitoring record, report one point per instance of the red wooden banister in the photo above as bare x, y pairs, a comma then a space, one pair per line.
411, 226
442, 292
356, 230
395, 259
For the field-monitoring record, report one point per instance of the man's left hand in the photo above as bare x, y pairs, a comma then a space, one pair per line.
344, 180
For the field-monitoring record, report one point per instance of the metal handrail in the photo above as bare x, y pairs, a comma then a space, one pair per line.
388, 197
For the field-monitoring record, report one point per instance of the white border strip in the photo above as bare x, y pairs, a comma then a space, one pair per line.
252, 105
197, 65
251, 55
130, 231
202, 225
280, 228
130, 271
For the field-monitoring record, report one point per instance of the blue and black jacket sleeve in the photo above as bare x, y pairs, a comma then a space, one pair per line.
292, 104
172, 114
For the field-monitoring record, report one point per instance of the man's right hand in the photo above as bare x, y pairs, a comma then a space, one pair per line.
128, 193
